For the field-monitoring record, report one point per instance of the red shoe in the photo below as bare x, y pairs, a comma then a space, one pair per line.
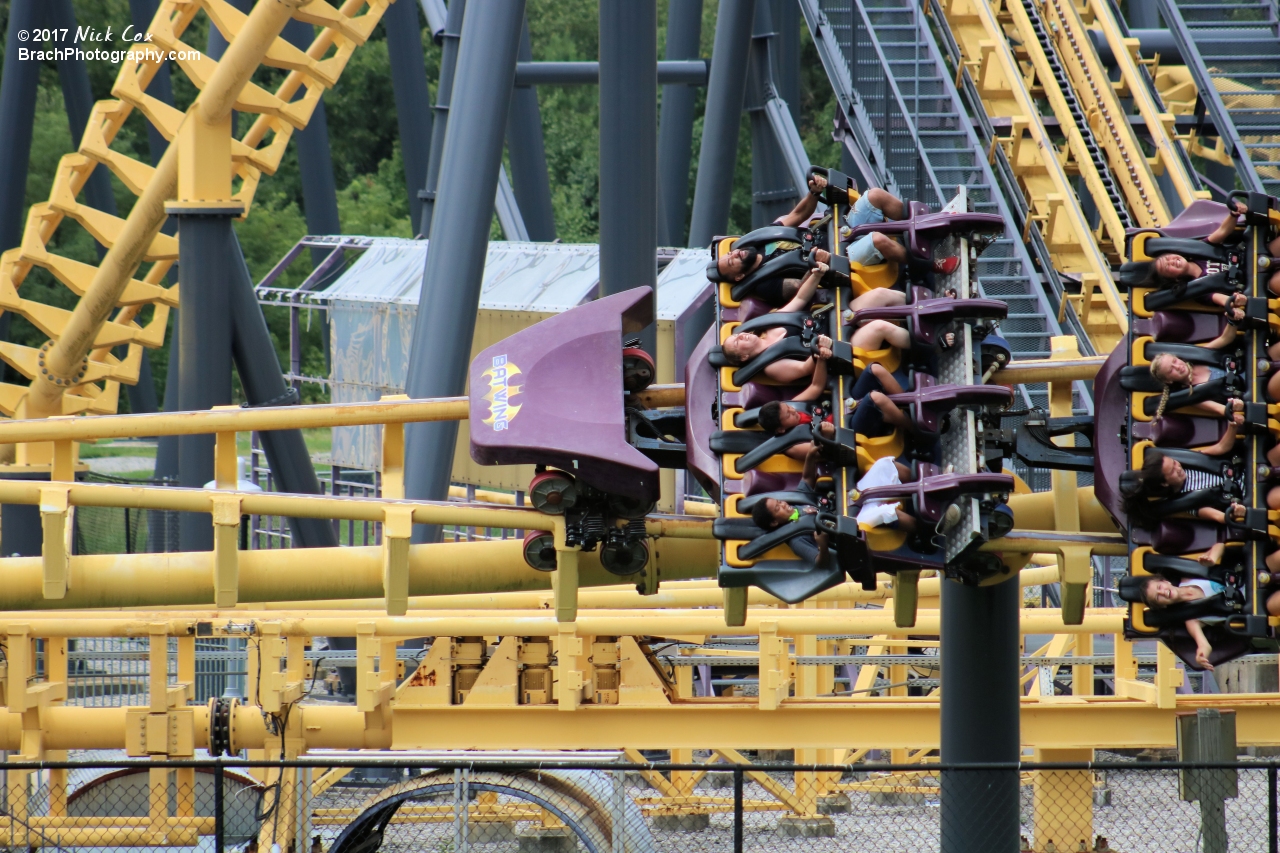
946, 266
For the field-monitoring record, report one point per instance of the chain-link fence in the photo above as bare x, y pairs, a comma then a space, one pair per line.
427, 802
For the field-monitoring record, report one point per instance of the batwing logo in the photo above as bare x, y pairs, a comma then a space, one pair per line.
501, 410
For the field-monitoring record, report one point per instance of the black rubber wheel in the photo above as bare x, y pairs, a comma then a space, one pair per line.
638, 369
540, 550
552, 492
624, 558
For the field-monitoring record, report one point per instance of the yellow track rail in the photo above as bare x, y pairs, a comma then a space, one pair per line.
1133, 84
1043, 169
75, 372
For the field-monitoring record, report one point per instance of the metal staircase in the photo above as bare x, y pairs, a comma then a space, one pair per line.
1232, 48
907, 125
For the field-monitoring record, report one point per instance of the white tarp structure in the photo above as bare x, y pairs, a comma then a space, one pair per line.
372, 307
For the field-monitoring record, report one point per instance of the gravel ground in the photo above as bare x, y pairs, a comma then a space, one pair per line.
120, 464
1145, 816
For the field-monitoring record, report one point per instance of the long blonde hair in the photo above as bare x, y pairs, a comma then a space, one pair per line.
1168, 387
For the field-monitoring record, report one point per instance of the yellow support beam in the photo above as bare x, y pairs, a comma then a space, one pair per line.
1041, 166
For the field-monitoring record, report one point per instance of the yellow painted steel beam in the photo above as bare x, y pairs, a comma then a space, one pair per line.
522, 623
156, 580
676, 594
880, 723
235, 420
1133, 84
1040, 167
76, 372
1107, 117
1048, 370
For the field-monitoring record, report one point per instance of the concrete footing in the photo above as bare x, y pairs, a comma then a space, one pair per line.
1102, 796
491, 831
714, 780
794, 826
547, 839
682, 822
834, 804
895, 798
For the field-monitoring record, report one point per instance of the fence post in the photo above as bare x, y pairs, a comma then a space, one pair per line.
1273, 810
219, 823
738, 810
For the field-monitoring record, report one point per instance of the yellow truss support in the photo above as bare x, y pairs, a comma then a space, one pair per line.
1042, 168
1133, 84
1107, 119
75, 372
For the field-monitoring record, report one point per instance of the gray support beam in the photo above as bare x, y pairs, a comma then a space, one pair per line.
440, 123
528, 156
1144, 14
77, 98
141, 12
18, 86
413, 97
628, 147
773, 188
436, 14
258, 366
980, 697
315, 161
454, 270
718, 155
786, 54
675, 135
204, 367
688, 72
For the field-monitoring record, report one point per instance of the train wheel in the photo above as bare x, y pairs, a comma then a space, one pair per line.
553, 492
638, 369
624, 558
540, 550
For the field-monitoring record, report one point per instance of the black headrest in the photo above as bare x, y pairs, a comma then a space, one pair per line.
713, 271
717, 358
1157, 246
1133, 273
1130, 588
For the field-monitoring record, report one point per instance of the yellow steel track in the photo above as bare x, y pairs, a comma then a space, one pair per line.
76, 371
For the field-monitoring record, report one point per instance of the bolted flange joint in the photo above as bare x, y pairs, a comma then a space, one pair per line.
61, 381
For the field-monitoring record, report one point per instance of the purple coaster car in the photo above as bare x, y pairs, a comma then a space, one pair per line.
552, 395
923, 230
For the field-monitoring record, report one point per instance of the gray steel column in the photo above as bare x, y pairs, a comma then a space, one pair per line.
141, 12
315, 168
204, 369
773, 192
413, 97
1144, 14
786, 54
529, 177
629, 147
444, 92
20, 533
451, 280
718, 155
18, 84
980, 698
258, 366
675, 135
77, 97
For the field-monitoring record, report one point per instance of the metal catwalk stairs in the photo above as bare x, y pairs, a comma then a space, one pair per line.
908, 126
1233, 52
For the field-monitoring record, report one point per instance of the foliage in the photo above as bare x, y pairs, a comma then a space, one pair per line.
367, 160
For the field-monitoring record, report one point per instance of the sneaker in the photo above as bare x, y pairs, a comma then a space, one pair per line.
946, 266
950, 519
